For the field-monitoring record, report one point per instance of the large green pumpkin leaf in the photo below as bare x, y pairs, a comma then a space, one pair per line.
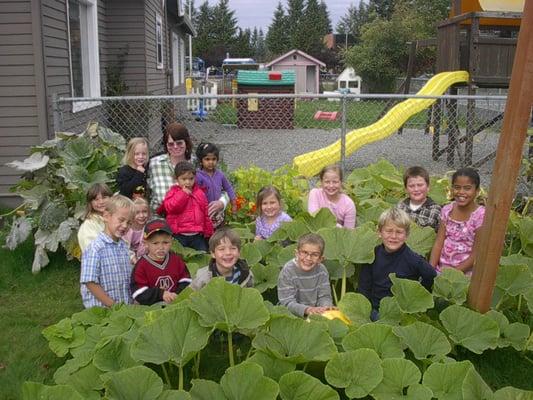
514, 279
298, 385
203, 389
251, 253
324, 218
446, 380
470, 329
265, 276
517, 259
411, 296
451, 285
350, 245
81, 374
296, 341
515, 334
424, 340
229, 307
78, 151
474, 387
34, 390
359, 372
133, 383
114, 355
356, 307
64, 336
389, 311
246, 381
174, 336
511, 393
272, 367
525, 228
420, 239
174, 395
378, 337
398, 375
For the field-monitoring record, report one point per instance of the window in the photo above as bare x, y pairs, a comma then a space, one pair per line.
178, 60
83, 52
354, 84
182, 61
159, 41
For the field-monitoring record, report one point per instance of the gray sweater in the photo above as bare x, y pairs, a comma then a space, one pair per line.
298, 289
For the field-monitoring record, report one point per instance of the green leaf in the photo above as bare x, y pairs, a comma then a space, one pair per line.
378, 337
445, 380
398, 375
229, 307
358, 371
298, 385
470, 329
251, 253
35, 196
174, 395
246, 381
77, 151
451, 285
525, 228
175, 336
272, 367
133, 383
296, 341
356, 307
511, 393
420, 239
411, 296
91, 316
515, 334
517, 259
350, 245
424, 340
474, 387
389, 311
81, 374
265, 276
206, 390
113, 355
514, 279
34, 390
63, 336
324, 218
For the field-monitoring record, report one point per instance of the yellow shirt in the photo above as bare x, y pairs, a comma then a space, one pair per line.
89, 229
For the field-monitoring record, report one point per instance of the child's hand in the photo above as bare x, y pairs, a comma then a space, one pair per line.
234, 207
140, 168
315, 310
257, 237
186, 190
169, 297
214, 207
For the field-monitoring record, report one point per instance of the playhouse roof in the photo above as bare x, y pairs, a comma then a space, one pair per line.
299, 52
260, 78
348, 75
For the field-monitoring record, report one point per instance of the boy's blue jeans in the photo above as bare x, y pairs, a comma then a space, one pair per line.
196, 242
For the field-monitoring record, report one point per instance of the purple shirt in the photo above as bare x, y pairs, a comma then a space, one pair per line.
213, 185
264, 230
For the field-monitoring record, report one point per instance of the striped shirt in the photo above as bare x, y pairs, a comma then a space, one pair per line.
298, 289
160, 179
106, 263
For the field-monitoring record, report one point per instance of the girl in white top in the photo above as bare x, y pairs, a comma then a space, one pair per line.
93, 223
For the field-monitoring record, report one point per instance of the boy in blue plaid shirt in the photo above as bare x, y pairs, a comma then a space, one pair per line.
105, 263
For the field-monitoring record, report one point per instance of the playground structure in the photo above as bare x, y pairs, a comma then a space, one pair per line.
474, 43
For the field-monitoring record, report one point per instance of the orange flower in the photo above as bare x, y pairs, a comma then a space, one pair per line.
240, 200
252, 207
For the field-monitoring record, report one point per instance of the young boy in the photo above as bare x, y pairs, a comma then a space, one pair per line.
421, 208
392, 256
225, 249
160, 274
105, 263
303, 283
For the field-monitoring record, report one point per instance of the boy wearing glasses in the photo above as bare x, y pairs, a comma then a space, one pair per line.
392, 256
303, 283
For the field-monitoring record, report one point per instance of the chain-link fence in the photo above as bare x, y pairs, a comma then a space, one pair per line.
440, 133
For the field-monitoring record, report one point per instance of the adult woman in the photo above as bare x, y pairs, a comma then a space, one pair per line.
178, 147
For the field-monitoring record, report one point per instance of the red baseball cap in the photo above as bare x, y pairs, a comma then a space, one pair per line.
156, 225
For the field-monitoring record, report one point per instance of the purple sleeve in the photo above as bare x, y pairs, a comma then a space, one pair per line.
228, 188
285, 218
259, 228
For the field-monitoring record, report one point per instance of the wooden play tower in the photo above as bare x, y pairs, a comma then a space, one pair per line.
480, 37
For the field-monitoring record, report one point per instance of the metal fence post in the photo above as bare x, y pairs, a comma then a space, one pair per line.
343, 134
56, 113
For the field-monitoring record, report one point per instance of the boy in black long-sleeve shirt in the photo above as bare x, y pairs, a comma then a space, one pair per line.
392, 256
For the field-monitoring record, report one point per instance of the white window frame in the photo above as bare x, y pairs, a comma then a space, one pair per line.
175, 59
181, 8
159, 40
90, 54
182, 60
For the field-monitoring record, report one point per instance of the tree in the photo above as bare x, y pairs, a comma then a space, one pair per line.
203, 42
277, 39
324, 15
351, 22
383, 8
295, 15
260, 49
309, 37
242, 45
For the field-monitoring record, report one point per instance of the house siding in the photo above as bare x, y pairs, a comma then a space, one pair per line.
156, 79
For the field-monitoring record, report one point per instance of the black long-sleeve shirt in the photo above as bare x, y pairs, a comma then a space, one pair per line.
374, 281
130, 181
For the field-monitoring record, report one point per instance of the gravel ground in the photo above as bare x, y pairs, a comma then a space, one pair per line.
270, 149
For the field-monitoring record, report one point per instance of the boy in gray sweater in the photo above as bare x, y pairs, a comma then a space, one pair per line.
303, 283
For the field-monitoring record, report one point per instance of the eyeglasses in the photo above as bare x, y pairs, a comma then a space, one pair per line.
177, 143
305, 254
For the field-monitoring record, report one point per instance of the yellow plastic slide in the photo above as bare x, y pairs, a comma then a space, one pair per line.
311, 163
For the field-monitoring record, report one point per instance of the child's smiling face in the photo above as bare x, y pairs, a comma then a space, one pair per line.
308, 256
417, 189
393, 236
226, 255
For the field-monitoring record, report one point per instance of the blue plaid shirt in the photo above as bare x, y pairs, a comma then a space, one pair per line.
107, 263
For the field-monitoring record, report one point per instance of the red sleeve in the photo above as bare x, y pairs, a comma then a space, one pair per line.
208, 224
175, 201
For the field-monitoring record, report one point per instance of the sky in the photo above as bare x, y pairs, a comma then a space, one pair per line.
259, 13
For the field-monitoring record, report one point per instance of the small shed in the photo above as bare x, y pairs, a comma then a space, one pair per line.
264, 113
349, 81
306, 69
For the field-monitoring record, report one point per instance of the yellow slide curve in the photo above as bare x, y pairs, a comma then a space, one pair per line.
311, 163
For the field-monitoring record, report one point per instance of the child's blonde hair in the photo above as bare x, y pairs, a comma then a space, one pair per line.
312, 238
397, 217
331, 168
118, 201
92, 193
224, 233
130, 150
263, 193
141, 201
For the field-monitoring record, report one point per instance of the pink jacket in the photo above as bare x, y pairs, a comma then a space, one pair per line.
186, 213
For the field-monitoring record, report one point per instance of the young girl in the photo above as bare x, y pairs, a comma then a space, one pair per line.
460, 221
93, 223
134, 236
213, 181
185, 207
131, 178
329, 195
270, 213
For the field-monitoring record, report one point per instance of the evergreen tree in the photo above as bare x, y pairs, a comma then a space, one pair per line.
312, 29
203, 42
326, 20
295, 30
242, 44
382, 8
277, 39
353, 20
260, 52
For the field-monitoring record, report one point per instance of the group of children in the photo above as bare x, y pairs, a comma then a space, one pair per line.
127, 257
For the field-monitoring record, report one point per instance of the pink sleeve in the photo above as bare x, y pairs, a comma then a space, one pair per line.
349, 214
479, 217
313, 204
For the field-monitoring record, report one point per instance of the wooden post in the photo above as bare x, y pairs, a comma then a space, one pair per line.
506, 168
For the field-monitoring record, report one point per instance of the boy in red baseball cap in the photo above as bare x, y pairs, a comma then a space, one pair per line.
160, 274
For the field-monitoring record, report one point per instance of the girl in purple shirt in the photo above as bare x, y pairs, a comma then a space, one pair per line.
270, 213
213, 181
